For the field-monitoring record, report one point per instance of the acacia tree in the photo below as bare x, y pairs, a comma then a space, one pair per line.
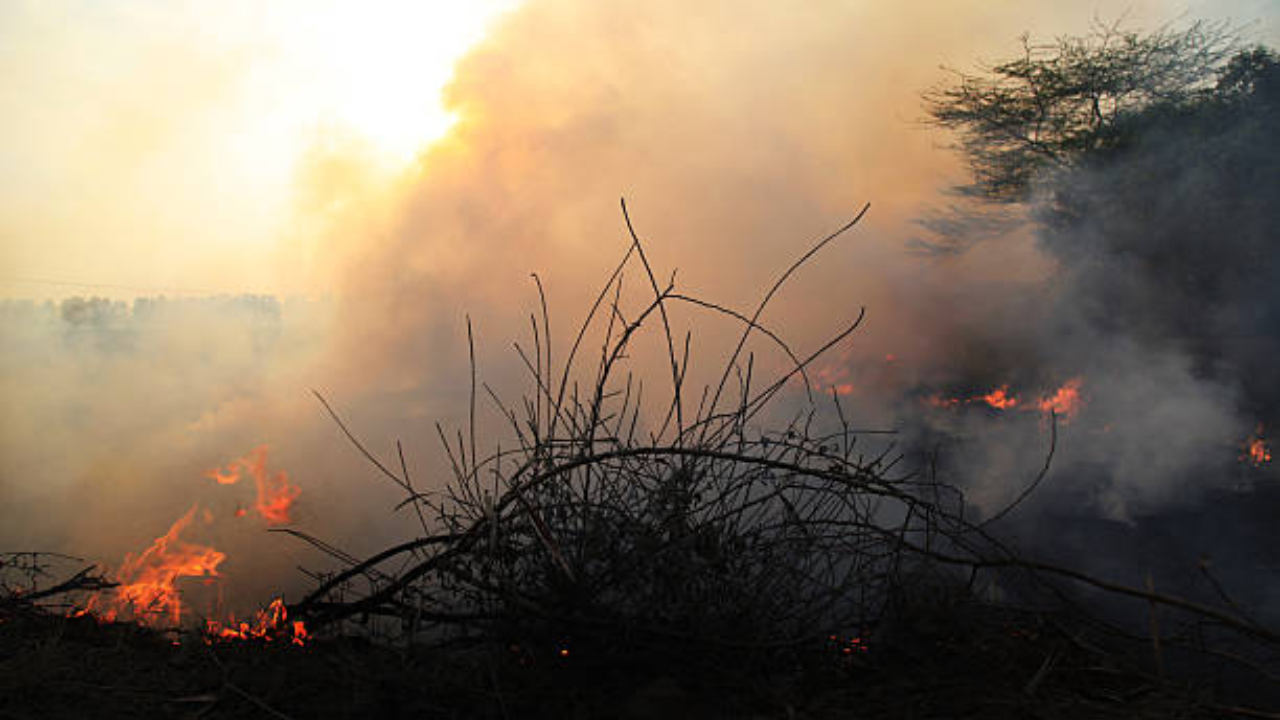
1059, 104
1149, 167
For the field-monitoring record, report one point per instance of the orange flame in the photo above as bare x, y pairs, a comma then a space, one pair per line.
147, 590
835, 376
1000, 398
276, 495
269, 624
1256, 449
1066, 402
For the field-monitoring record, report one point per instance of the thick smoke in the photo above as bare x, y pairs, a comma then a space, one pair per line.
738, 131
1163, 301
732, 153
118, 409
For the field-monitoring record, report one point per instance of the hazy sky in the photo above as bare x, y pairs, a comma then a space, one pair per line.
156, 143
198, 145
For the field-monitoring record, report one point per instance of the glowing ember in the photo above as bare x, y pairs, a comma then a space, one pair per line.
147, 590
270, 623
835, 376
939, 401
848, 646
276, 495
1066, 402
1256, 449
1000, 398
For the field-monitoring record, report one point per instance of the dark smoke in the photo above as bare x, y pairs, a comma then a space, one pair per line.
1165, 300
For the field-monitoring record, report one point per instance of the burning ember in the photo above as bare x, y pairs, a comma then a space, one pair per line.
848, 645
147, 592
270, 623
1256, 449
275, 495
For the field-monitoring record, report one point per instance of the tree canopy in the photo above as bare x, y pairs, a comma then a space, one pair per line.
1149, 165
1058, 104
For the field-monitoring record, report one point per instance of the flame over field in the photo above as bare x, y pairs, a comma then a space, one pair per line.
1000, 398
148, 591
275, 494
1065, 402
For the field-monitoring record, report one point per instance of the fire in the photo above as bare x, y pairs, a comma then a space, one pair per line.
835, 376
148, 593
1066, 401
1256, 449
1000, 398
269, 624
276, 495
147, 590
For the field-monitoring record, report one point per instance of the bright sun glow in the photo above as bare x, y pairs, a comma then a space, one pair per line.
376, 69
187, 130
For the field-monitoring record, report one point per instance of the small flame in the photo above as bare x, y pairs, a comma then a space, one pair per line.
1256, 449
147, 590
1000, 398
835, 376
270, 623
276, 495
1066, 402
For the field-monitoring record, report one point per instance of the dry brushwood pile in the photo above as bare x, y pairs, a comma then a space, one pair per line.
617, 562
700, 533
697, 537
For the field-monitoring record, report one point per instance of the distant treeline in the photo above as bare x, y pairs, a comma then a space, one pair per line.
100, 311
103, 324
